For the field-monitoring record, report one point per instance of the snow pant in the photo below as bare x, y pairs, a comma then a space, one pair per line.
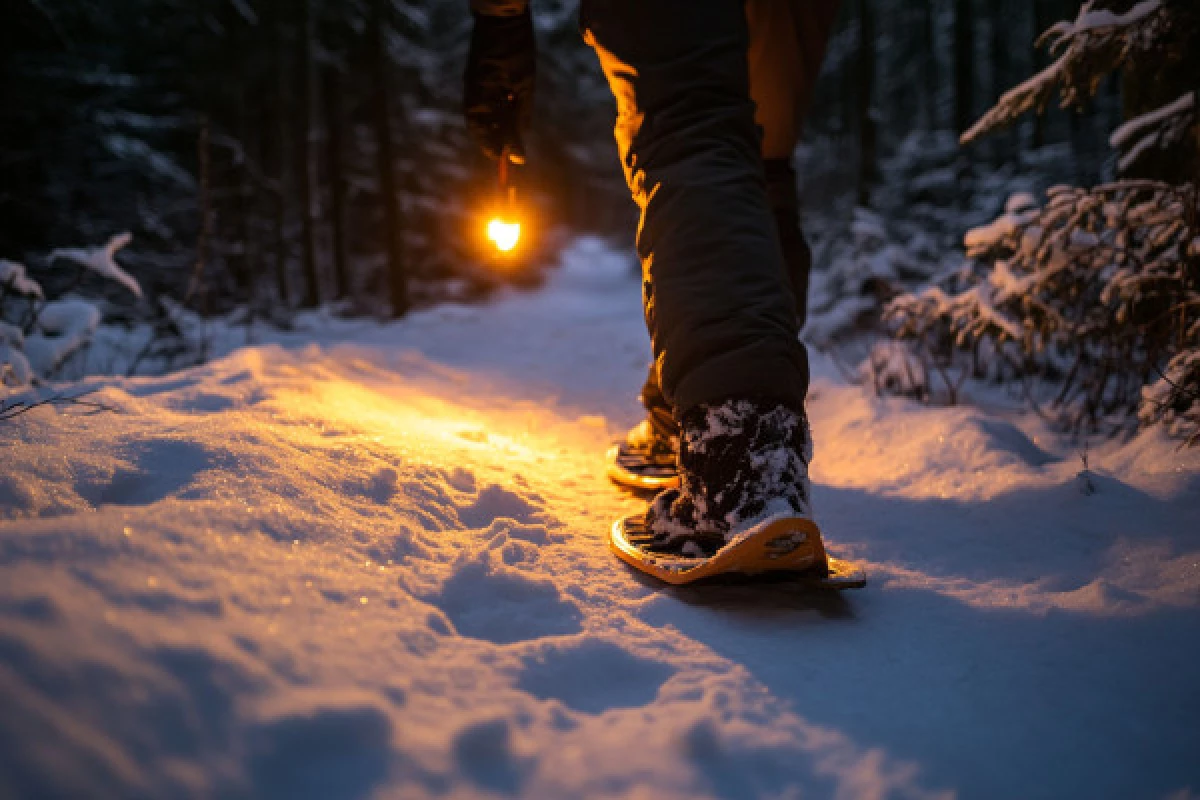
709, 101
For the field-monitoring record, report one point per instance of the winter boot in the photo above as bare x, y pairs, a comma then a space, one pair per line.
645, 460
742, 506
741, 463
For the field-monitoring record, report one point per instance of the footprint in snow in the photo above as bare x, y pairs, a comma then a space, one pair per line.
157, 468
504, 606
484, 754
381, 487
592, 676
461, 479
496, 502
319, 752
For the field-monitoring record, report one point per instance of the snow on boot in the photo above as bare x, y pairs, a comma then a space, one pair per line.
646, 459
742, 506
740, 463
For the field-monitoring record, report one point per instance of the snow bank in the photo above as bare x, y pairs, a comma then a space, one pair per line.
64, 327
372, 562
14, 366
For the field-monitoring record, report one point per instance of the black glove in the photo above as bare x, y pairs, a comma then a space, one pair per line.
498, 86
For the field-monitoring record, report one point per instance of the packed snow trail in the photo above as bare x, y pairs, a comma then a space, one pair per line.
370, 561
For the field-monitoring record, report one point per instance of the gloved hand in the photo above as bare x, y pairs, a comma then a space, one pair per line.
498, 90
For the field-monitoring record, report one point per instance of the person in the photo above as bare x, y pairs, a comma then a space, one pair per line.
710, 97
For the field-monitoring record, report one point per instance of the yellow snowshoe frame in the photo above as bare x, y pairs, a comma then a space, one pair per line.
652, 479
776, 545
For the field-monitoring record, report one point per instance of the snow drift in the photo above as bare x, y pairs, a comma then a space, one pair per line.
371, 562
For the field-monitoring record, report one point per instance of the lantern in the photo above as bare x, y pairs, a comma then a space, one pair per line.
504, 228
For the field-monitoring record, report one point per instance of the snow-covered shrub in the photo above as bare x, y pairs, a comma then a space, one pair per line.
37, 338
896, 369
926, 196
61, 329
20, 293
1098, 291
1174, 399
870, 270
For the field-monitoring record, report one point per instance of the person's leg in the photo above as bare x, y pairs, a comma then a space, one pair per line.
786, 44
717, 301
659, 416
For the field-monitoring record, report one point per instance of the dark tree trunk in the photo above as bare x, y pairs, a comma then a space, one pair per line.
243, 260
331, 81
277, 144
232, 160
204, 230
380, 61
304, 153
866, 119
929, 67
1004, 145
964, 66
1040, 23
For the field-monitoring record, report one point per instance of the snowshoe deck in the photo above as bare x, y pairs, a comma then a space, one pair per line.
641, 471
777, 545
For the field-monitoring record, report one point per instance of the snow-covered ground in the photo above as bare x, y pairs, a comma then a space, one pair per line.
371, 561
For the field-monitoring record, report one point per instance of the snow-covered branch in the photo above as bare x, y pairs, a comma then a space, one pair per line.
1097, 41
1156, 130
102, 260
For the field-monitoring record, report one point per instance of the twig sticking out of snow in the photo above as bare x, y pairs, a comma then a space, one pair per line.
102, 260
22, 406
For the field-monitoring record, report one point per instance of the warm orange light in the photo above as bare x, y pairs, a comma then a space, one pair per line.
504, 234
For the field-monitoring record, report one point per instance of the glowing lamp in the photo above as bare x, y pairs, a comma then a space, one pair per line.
504, 230
503, 234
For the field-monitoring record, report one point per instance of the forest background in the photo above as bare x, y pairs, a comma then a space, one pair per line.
271, 156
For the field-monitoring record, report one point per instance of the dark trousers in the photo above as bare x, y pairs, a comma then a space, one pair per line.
710, 94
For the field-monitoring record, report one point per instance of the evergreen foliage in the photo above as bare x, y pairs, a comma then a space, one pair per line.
38, 337
1096, 292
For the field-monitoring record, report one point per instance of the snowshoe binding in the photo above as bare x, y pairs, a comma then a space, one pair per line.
645, 460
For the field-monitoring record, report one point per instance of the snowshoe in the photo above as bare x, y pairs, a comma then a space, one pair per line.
645, 460
741, 504
779, 544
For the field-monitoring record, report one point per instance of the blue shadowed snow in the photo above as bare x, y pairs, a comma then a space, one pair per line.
370, 561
